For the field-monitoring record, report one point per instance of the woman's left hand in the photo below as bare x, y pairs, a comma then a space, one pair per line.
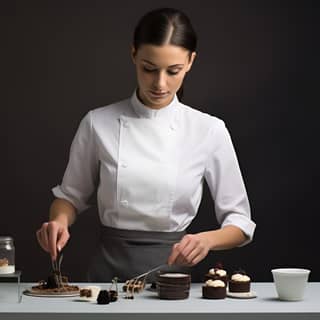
190, 250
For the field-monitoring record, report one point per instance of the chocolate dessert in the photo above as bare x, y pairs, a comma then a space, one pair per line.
103, 297
133, 286
239, 282
86, 293
217, 273
173, 286
214, 289
55, 284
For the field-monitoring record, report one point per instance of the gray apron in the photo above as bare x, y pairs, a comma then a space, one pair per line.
127, 253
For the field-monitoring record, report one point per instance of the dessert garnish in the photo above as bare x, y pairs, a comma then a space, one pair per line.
218, 265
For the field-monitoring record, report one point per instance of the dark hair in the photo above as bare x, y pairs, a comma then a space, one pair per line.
165, 25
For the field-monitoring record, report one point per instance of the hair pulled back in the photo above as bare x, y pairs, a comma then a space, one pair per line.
165, 26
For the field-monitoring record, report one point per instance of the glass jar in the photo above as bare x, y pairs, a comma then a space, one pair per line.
6, 255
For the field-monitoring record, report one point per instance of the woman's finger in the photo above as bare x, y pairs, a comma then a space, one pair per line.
52, 238
174, 253
63, 237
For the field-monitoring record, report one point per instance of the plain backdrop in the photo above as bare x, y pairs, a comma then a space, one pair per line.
257, 69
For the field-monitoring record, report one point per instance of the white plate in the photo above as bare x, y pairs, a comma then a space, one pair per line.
242, 295
29, 292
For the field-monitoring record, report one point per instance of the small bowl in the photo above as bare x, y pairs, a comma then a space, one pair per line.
290, 283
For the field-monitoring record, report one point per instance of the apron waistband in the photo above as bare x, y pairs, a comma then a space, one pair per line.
137, 235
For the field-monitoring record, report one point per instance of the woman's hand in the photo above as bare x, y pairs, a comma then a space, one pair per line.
53, 236
194, 247
190, 250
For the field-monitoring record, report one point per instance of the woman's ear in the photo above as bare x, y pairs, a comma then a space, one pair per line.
133, 54
191, 59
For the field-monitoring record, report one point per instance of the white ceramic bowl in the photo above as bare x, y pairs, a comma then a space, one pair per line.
290, 283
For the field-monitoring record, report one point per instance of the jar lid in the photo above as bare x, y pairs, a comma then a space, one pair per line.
6, 239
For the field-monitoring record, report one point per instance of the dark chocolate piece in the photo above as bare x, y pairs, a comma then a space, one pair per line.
103, 297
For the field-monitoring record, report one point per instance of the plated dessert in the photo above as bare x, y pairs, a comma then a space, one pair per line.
56, 284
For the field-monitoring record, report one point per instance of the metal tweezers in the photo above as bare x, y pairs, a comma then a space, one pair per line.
56, 267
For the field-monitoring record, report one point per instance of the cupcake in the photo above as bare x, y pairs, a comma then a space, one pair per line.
239, 282
217, 273
214, 289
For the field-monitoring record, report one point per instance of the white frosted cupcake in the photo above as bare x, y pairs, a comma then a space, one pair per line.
214, 289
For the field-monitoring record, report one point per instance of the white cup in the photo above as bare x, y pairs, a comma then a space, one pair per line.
290, 283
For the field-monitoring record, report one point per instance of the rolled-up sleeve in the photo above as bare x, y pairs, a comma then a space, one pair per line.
226, 184
80, 177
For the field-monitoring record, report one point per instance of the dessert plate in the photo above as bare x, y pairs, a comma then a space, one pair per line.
242, 295
30, 292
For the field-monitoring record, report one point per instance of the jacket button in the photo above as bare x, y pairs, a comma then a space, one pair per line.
126, 124
124, 165
124, 203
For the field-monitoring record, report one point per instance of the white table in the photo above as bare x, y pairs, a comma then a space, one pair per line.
146, 305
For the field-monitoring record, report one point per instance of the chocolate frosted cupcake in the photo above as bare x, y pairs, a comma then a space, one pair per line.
173, 286
214, 289
239, 282
217, 274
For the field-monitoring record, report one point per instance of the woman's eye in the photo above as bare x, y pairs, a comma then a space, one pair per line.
148, 70
173, 72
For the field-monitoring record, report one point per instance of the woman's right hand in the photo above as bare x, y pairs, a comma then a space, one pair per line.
52, 237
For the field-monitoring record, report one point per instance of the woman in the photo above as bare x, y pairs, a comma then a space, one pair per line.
147, 156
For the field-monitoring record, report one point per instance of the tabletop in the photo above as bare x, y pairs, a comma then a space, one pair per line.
147, 305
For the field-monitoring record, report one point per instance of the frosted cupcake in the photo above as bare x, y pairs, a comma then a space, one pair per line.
239, 282
214, 289
217, 274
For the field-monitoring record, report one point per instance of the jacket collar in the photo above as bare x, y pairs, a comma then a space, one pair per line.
165, 113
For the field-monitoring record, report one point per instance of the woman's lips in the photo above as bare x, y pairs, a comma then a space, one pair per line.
158, 94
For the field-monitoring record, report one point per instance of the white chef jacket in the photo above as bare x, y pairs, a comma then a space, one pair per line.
149, 165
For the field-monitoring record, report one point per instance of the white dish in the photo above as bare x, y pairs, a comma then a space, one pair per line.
31, 293
242, 295
290, 283
95, 292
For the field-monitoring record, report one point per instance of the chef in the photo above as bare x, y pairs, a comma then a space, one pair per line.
147, 156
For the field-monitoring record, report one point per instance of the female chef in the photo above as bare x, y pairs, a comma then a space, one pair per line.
148, 156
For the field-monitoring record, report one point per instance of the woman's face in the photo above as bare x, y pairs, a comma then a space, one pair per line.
160, 72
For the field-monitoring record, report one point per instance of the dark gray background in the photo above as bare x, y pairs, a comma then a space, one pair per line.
256, 69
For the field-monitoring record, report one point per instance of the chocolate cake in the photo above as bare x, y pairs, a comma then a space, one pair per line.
239, 282
214, 289
173, 286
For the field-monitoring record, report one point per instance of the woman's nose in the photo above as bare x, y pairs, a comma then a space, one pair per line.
160, 80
